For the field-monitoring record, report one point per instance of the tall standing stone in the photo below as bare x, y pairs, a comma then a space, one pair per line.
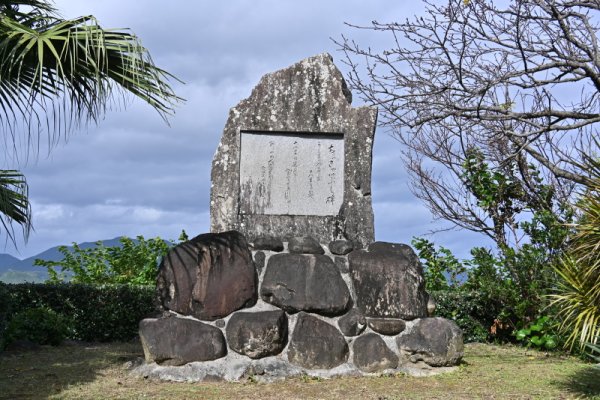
295, 159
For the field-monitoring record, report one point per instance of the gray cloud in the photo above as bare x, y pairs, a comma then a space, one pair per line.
132, 174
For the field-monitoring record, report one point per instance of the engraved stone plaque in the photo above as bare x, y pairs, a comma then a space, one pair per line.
291, 173
295, 159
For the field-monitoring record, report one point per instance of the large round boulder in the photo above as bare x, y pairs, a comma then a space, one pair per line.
209, 276
257, 334
388, 280
302, 282
436, 341
176, 341
315, 344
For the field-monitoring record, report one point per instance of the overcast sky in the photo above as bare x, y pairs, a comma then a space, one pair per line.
134, 175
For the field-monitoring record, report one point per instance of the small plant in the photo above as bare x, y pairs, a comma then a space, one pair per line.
539, 334
39, 325
593, 352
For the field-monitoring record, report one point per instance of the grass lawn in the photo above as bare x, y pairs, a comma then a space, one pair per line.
489, 372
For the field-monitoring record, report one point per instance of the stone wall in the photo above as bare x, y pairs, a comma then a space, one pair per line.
272, 309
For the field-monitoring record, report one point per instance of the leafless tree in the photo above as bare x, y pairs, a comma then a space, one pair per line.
518, 85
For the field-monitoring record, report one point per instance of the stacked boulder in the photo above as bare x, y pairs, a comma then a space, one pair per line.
295, 306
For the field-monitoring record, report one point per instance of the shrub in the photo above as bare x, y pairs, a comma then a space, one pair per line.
471, 312
578, 293
132, 262
95, 313
39, 325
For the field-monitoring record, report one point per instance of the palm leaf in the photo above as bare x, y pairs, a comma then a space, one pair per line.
56, 74
14, 202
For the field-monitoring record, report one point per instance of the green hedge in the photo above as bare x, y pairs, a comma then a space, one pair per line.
93, 313
473, 312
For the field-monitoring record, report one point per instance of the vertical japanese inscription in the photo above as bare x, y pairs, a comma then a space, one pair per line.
291, 173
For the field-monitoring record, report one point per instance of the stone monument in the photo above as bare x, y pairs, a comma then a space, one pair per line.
295, 159
290, 280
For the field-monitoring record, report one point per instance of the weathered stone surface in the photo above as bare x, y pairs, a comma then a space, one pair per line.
209, 276
291, 173
177, 341
259, 260
296, 282
220, 323
267, 243
304, 245
436, 341
257, 334
341, 247
342, 264
388, 280
353, 323
315, 344
311, 98
371, 354
387, 326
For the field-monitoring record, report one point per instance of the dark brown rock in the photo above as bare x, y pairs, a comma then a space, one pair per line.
341, 247
371, 354
208, 277
388, 280
268, 243
315, 344
178, 341
436, 341
301, 282
304, 245
353, 323
387, 326
257, 334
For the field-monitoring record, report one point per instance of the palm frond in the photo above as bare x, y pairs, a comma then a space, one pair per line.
14, 203
56, 74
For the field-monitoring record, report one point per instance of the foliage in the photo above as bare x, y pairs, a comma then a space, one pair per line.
134, 262
5, 307
14, 202
472, 312
540, 334
56, 73
39, 325
442, 268
95, 313
578, 292
593, 351
517, 79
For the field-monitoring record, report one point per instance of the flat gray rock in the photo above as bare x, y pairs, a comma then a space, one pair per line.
177, 341
387, 326
257, 334
315, 344
304, 245
302, 282
268, 243
371, 354
388, 281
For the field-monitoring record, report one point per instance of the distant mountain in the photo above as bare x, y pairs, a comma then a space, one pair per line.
7, 260
13, 270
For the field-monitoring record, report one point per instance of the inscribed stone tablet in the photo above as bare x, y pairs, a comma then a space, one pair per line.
291, 173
